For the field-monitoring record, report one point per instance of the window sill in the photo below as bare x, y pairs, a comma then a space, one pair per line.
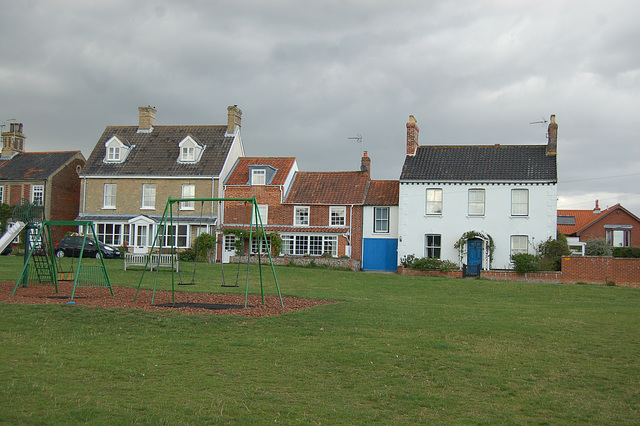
108, 208
147, 208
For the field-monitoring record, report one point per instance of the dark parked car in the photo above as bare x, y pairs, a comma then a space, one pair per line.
72, 245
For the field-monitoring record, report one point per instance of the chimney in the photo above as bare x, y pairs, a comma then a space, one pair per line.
412, 135
234, 119
13, 140
597, 209
366, 164
552, 146
147, 118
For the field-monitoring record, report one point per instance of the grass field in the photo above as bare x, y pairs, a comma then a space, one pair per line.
398, 349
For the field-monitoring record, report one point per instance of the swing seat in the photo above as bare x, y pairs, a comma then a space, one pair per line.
188, 283
229, 285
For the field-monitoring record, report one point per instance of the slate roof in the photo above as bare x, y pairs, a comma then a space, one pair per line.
585, 218
240, 173
156, 153
480, 163
383, 193
328, 188
34, 166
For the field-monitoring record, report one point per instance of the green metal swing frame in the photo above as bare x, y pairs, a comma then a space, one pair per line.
167, 219
50, 256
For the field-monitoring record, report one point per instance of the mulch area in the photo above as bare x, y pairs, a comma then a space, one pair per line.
186, 303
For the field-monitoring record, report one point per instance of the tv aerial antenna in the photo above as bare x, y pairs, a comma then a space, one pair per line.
543, 121
358, 138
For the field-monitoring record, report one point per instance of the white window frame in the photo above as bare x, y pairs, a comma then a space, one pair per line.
258, 176
37, 195
263, 210
519, 204
309, 244
148, 196
477, 206
299, 214
113, 154
110, 193
188, 193
381, 224
110, 233
337, 216
188, 154
433, 245
434, 197
230, 242
519, 244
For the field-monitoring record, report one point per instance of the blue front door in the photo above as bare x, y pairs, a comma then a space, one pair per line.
474, 256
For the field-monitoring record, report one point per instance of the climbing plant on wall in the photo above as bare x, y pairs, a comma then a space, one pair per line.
461, 244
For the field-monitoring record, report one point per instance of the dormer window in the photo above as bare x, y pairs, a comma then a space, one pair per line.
116, 151
190, 150
261, 174
258, 177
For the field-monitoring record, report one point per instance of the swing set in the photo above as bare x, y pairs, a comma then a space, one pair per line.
166, 235
43, 267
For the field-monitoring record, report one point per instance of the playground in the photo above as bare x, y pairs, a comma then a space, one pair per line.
187, 302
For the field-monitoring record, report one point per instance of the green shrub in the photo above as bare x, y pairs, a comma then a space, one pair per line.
187, 255
551, 252
525, 262
598, 247
428, 264
633, 252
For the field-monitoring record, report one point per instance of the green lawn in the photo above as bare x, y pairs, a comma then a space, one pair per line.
398, 349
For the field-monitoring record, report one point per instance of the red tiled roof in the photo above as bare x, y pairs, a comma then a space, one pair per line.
583, 218
302, 229
383, 193
328, 188
240, 173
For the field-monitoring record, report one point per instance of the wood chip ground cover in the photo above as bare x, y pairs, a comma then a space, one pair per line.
186, 303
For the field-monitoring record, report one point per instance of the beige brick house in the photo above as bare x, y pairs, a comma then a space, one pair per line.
133, 170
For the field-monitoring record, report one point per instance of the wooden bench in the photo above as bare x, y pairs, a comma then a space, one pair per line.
139, 259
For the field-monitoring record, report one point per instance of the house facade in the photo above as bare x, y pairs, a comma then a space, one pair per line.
380, 226
47, 179
617, 225
269, 180
476, 205
133, 170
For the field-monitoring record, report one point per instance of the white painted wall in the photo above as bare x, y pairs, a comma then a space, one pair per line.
413, 223
368, 222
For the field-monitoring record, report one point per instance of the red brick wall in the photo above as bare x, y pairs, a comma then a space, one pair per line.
64, 198
600, 270
617, 217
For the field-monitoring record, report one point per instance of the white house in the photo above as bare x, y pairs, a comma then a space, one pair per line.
476, 205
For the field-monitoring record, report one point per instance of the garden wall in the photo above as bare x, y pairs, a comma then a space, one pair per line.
332, 262
593, 270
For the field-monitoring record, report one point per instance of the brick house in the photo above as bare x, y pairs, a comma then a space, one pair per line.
49, 179
476, 205
617, 225
266, 178
314, 213
133, 170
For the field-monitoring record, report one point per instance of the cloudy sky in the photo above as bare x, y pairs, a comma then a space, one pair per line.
308, 75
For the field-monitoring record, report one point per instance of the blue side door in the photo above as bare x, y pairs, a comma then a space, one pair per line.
380, 254
474, 256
